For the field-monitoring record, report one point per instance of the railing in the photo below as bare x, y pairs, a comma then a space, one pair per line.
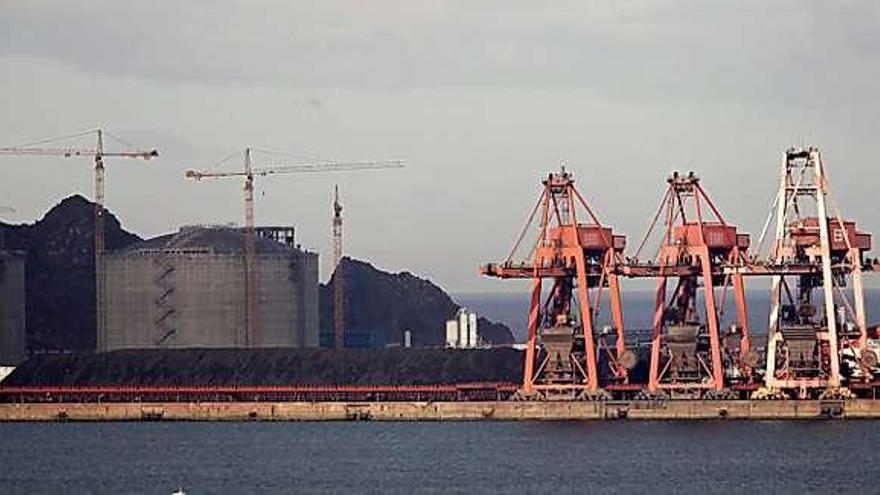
259, 393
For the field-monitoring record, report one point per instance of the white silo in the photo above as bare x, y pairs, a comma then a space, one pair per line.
451, 333
463, 334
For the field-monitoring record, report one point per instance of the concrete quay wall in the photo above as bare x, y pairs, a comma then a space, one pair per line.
440, 411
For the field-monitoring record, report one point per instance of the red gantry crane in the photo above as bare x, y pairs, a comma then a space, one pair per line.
274, 168
580, 256
699, 249
98, 153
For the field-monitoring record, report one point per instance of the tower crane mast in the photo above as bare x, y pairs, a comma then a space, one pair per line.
249, 173
339, 277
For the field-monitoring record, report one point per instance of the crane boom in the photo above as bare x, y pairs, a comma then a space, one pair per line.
298, 168
72, 152
250, 260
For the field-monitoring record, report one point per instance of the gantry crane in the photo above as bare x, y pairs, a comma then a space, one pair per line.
249, 172
98, 153
698, 248
562, 358
821, 251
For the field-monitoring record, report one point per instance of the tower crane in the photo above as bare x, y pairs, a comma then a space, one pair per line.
98, 153
249, 172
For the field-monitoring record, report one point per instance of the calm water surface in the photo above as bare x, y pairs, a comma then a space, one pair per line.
528, 457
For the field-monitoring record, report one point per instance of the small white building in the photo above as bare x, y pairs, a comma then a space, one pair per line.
461, 332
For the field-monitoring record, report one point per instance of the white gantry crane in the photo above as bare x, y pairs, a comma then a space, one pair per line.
808, 334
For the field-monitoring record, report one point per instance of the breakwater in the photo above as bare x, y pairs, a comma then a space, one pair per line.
443, 411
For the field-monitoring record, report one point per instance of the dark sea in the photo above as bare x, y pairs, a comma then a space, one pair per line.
483, 458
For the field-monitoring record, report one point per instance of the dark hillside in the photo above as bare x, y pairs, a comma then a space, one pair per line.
384, 305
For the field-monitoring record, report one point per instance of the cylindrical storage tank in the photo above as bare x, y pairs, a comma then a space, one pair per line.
188, 290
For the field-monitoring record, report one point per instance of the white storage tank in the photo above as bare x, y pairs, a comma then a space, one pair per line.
463, 334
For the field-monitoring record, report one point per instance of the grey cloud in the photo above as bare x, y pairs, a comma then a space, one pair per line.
314, 103
785, 51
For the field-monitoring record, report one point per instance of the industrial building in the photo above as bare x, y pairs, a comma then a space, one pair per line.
188, 289
12, 301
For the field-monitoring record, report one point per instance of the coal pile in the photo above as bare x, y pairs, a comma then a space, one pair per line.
229, 367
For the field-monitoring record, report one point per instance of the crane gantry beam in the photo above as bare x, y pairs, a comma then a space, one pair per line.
248, 173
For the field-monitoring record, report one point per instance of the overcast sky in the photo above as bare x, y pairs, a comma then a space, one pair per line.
480, 98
